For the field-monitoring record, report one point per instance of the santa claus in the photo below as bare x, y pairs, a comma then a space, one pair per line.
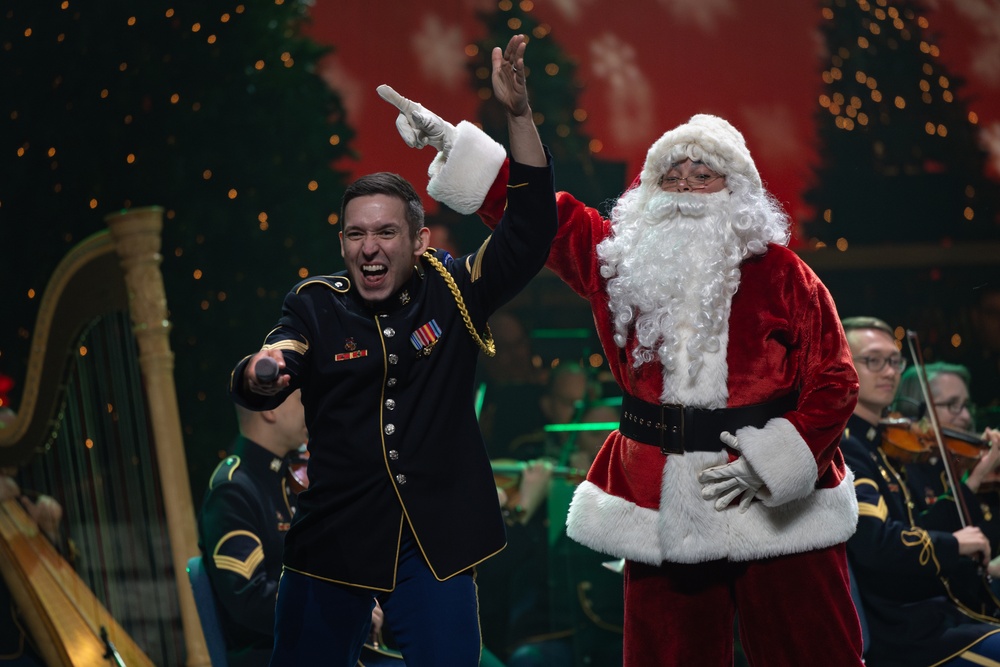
724, 489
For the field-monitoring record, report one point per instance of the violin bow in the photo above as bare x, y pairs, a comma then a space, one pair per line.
918, 361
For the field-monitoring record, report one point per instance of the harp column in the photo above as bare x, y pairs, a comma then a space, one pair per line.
137, 236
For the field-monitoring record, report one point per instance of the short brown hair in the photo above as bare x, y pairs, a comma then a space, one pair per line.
393, 185
855, 323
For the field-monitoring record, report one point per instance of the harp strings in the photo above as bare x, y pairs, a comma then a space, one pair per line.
100, 465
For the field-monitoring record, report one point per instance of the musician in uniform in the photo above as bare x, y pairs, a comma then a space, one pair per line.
401, 503
949, 386
909, 576
247, 509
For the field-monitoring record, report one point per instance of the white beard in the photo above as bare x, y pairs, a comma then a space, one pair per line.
672, 264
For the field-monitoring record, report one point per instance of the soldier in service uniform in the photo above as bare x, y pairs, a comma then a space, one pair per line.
245, 514
921, 594
401, 503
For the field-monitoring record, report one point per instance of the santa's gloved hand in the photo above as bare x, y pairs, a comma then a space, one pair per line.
418, 126
725, 482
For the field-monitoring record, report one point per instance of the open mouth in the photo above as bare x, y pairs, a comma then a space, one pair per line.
373, 273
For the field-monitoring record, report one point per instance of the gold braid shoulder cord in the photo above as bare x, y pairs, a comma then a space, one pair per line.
487, 345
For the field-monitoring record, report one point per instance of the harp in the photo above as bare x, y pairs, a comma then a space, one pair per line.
98, 428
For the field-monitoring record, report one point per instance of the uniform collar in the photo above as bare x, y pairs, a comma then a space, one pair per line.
258, 458
400, 299
866, 432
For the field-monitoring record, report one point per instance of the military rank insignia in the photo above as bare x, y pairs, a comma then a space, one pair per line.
426, 337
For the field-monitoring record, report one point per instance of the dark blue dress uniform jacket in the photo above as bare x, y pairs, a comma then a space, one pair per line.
389, 402
899, 563
244, 517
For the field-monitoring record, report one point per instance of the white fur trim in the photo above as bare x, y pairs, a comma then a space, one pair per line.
462, 179
691, 530
782, 459
613, 525
714, 140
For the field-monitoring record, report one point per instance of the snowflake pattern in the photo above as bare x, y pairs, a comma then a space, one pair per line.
984, 16
769, 133
630, 95
703, 13
440, 51
571, 9
349, 87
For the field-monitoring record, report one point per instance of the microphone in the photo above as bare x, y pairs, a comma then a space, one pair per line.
267, 370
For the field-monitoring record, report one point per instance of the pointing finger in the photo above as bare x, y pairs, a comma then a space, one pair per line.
395, 99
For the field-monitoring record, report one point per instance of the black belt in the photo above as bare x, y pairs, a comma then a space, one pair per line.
676, 429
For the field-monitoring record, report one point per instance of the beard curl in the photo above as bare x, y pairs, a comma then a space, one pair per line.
756, 216
672, 266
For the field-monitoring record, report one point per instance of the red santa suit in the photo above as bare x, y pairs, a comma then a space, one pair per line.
781, 564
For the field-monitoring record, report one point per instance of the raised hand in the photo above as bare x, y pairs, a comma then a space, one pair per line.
510, 90
416, 125
509, 76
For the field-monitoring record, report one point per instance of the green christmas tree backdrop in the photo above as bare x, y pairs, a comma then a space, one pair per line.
900, 158
212, 111
554, 94
901, 189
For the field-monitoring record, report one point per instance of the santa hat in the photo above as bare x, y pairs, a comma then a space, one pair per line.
704, 138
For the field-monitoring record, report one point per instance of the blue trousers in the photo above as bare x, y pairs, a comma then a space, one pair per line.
435, 623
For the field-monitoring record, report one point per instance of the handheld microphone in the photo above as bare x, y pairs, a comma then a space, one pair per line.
267, 370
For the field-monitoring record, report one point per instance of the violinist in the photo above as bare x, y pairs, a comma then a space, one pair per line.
949, 389
906, 572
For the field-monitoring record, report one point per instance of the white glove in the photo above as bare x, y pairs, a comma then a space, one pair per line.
418, 126
726, 482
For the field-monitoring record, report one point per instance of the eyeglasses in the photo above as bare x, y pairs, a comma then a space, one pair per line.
956, 405
876, 364
694, 181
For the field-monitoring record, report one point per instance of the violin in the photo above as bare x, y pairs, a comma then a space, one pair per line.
914, 441
298, 477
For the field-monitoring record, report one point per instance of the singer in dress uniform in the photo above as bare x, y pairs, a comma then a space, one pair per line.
402, 502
